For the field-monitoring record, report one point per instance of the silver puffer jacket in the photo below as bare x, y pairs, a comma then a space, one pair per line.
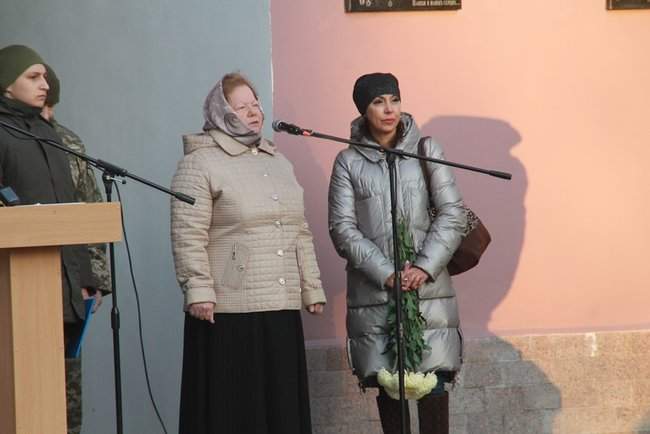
360, 228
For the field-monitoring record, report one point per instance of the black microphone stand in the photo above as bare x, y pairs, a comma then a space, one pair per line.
109, 174
391, 156
397, 291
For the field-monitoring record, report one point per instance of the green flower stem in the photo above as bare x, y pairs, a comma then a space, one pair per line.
412, 320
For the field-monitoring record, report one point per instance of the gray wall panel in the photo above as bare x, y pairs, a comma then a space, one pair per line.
134, 75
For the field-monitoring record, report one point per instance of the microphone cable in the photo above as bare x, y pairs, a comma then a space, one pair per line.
139, 311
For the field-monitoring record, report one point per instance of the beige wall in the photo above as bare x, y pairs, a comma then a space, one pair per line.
555, 92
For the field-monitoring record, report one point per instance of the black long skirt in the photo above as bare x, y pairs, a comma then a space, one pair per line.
245, 374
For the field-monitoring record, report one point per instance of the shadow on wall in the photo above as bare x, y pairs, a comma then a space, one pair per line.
500, 391
500, 204
486, 143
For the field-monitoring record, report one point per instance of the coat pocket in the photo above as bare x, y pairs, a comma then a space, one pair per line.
441, 287
362, 292
235, 267
300, 259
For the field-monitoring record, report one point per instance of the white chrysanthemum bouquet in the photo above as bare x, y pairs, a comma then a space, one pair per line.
416, 384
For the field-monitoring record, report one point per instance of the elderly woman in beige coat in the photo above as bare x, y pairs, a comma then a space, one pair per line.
245, 261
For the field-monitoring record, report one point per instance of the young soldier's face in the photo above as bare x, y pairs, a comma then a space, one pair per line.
30, 87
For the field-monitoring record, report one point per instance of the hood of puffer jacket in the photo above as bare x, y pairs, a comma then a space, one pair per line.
407, 141
212, 138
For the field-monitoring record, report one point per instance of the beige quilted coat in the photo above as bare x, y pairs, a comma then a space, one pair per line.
245, 244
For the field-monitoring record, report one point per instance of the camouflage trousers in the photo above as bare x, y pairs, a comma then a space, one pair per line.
73, 380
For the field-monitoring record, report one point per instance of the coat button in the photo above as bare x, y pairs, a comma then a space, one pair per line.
275, 197
277, 223
266, 175
281, 281
241, 268
280, 252
254, 151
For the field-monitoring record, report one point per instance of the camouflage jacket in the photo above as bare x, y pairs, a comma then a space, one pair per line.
86, 190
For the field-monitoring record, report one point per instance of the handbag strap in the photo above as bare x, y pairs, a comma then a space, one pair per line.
423, 165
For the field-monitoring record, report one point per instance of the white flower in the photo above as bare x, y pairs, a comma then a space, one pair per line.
416, 384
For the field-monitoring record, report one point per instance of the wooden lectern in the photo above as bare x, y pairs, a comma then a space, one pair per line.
32, 366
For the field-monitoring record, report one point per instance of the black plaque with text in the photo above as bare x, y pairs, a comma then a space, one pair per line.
401, 5
628, 4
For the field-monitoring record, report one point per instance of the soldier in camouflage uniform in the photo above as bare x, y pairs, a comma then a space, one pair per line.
86, 190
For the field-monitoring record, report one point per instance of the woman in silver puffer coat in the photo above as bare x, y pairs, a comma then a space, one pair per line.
360, 228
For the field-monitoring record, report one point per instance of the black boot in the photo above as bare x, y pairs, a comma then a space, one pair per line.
389, 414
433, 414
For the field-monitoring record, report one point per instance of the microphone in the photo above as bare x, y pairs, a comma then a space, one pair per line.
280, 126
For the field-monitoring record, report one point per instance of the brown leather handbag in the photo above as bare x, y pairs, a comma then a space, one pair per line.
475, 237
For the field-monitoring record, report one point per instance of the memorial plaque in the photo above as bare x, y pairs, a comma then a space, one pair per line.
401, 5
628, 4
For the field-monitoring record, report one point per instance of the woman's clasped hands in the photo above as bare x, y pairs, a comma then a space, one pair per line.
411, 278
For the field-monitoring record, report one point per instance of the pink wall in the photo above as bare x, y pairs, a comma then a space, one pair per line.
555, 92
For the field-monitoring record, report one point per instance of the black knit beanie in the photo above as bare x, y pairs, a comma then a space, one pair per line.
14, 60
54, 94
370, 86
